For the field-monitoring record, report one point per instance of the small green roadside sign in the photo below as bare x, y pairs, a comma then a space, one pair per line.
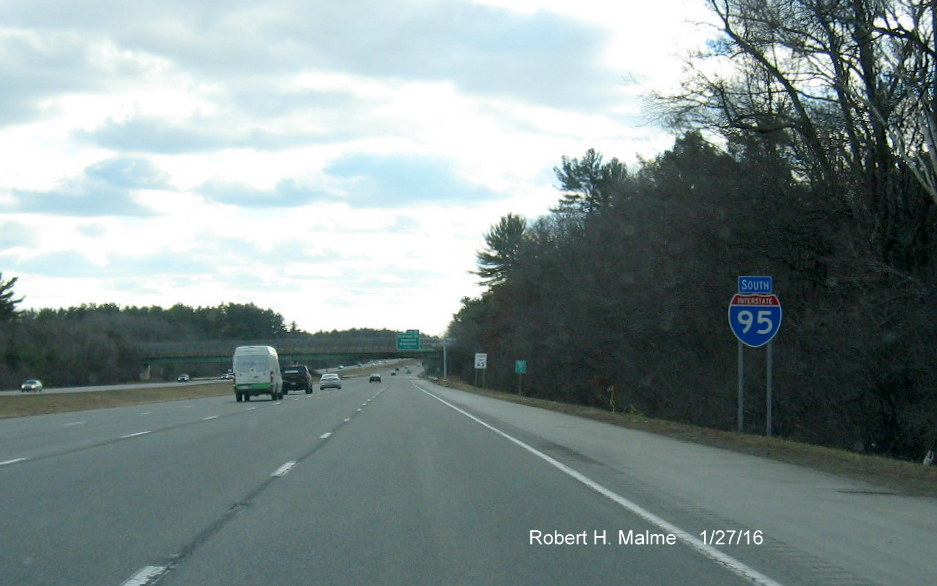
520, 368
409, 340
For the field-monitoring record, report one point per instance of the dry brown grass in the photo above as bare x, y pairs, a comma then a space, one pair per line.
893, 476
44, 403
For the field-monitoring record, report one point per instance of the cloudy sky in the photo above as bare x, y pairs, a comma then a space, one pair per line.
337, 161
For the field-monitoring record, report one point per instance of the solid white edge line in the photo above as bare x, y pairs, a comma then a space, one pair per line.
282, 470
13, 461
689, 539
145, 576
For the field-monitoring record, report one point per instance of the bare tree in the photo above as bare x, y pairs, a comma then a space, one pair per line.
835, 86
907, 30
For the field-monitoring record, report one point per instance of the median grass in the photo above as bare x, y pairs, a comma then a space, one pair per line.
894, 477
45, 403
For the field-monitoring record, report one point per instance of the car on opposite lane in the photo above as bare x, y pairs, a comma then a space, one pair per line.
32, 385
330, 381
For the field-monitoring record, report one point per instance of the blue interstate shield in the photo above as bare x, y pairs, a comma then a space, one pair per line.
755, 319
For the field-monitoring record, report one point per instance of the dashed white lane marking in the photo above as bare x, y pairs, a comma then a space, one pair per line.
726, 561
326, 435
129, 435
282, 470
13, 461
146, 413
74, 423
359, 409
145, 576
347, 419
209, 418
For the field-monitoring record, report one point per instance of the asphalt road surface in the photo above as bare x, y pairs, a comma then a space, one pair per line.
405, 482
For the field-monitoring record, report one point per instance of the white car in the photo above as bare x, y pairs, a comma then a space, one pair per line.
330, 381
32, 385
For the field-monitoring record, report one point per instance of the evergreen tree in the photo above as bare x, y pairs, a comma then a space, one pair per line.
7, 302
504, 241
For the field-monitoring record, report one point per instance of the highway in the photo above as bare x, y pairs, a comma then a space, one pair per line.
406, 482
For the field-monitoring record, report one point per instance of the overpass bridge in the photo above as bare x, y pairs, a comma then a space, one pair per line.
313, 352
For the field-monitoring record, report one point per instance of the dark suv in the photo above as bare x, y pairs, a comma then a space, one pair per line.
297, 378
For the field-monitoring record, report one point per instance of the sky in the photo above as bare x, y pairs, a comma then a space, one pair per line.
338, 162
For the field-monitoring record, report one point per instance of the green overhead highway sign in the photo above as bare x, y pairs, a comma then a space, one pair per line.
409, 340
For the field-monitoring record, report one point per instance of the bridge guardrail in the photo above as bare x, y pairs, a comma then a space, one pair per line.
283, 346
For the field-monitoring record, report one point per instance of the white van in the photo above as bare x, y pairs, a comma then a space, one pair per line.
257, 372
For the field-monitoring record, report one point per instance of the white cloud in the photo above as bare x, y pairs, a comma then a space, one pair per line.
338, 162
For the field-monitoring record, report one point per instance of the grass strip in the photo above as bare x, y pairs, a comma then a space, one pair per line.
45, 403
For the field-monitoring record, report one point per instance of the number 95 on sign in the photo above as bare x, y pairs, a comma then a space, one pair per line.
755, 319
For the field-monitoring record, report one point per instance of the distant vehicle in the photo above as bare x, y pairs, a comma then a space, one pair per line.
408, 371
393, 373
182, 378
32, 385
297, 378
330, 381
227, 376
257, 372
375, 378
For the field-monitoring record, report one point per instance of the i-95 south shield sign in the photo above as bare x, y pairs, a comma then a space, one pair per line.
755, 319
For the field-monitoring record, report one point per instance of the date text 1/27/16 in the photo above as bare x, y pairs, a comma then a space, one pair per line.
732, 537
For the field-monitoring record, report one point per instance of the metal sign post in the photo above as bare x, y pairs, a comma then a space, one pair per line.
741, 416
768, 394
755, 318
445, 372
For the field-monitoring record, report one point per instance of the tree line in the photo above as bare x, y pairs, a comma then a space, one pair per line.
101, 343
807, 154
